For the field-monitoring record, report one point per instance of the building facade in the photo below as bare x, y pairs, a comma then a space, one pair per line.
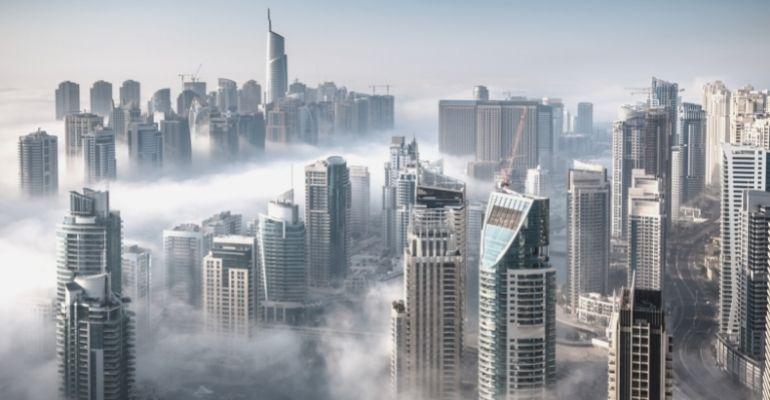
38, 164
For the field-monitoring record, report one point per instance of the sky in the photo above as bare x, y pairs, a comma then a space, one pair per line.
579, 51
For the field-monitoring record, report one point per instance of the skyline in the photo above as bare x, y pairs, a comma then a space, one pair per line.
169, 39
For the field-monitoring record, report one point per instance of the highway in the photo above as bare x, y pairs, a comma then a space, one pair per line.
692, 301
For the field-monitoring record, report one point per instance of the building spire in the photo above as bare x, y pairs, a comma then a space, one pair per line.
269, 21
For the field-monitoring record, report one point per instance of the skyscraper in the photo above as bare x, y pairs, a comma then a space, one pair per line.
688, 159
434, 272
507, 130
77, 125
229, 286
99, 155
473, 240
480, 93
38, 164
227, 95
584, 123
646, 231
183, 250
665, 95
89, 241
588, 230
224, 223
743, 168
95, 341
145, 145
130, 94
184, 101
640, 362
177, 144
327, 217
136, 280
457, 127
403, 156
557, 112
517, 299
359, 200
399, 372
160, 102
251, 133
277, 79
249, 97
716, 104
101, 98
282, 265
67, 99
545, 138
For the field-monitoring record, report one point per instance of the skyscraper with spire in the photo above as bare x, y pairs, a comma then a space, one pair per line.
277, 79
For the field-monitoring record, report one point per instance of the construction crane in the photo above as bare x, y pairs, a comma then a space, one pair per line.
193, 77
374, 88
506, 172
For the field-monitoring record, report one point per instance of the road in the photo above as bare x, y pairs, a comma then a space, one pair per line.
692, 301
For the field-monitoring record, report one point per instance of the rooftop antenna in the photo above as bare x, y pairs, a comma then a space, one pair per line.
269, 22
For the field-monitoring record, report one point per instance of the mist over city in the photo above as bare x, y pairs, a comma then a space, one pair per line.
387, 200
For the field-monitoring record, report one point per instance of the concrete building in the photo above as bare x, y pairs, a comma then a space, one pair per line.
160, 102
183, 250
145, 146
89, 241
584, 122
177, 142
227, 95
434, 280
277, 79
473, 243
99, 155
517, 300
76, 126
688, 159
399, 372
507, 130
220, 224
251, 134
327, 218
588, 230
229, 286
95, 339
640, 362
359, 200
282, 264
403, 157
185, 100
535, 182
480, 93
716, 105
249, 97
38, 164
647, 233
130, 94
743, 168
595, 309
67, 99
545, 140
457, 127
101, 98
136, 272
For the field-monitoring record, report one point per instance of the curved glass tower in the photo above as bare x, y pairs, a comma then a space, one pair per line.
277, 79
517, 299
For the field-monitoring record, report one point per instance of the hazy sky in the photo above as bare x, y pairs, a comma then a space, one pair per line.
586, 50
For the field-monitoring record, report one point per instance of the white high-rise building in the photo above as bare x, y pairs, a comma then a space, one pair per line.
137, 283
359, 203
534, 182
76, 126
396, 194
38, 164
183, 249
646, 232
688, 158
716, 104
743, 168
95, 341
277, 79
281, 260
640, 361
99, 155
517, 300
588, 230
67, 99
229, 286
89, 241
227, 95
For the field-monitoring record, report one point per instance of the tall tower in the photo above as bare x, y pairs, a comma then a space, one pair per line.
584, 123
517, 299
160, 102
327, 217
130, 94
67, 99
229, 289
646, 232
434, 279
136, 280
282, 265
89, 241
588, 230
716, 104
688, 159
101, 98
76, 126
398, 191
359, 207
38, 164
99, 155
227, 95
638, 332
145, 146
183, 250
95, 341
249, 97
277, 79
